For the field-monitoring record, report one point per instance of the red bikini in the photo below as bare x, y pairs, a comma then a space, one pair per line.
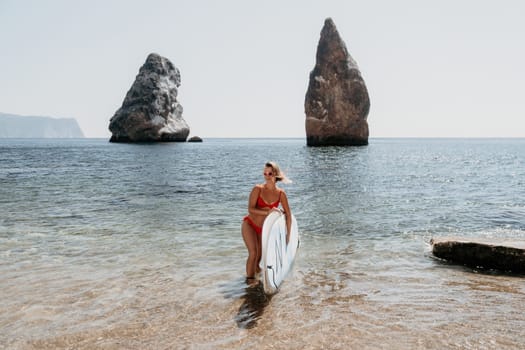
250, 222
261, 203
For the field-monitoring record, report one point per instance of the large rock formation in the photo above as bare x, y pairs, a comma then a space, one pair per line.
16, 126
505, 255
150, 111
336, 103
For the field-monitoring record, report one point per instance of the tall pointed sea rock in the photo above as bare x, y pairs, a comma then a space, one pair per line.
337, 102
150, 111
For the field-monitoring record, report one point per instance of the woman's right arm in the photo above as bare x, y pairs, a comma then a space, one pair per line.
252, 203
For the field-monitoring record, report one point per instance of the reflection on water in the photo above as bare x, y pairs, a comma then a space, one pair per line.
252, 308
254, 301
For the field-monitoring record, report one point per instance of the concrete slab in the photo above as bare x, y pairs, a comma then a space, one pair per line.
493, 253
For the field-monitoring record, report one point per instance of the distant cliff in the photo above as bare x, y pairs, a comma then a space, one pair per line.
15, 126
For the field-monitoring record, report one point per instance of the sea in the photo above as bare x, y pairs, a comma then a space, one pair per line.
138, 246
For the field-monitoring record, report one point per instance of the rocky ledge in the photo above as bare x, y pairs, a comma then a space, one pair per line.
150, 111
505, 255
195, 139
336, 103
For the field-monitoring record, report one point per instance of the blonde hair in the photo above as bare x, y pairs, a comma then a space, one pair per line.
279, 175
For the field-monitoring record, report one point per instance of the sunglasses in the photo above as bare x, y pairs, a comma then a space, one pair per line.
268, 174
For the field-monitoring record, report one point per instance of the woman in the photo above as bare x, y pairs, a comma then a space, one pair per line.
263, 199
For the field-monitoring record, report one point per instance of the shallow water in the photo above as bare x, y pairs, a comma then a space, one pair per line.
138, 246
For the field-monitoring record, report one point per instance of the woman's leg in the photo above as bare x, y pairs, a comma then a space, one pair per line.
250, 239
259, 253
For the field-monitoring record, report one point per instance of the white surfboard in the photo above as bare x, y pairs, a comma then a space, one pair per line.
277, 257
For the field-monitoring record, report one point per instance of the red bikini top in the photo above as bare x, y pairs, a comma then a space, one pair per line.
261, 203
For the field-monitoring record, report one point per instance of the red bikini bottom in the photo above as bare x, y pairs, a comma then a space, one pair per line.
250, 222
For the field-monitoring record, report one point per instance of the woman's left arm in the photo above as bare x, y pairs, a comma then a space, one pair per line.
288, 214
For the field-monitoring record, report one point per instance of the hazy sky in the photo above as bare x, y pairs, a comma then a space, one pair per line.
432, 68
